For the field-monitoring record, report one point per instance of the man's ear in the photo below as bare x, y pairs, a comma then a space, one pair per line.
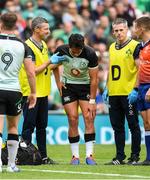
113, 33
142, 29
37, 30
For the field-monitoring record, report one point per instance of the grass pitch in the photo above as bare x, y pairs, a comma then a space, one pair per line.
62, 154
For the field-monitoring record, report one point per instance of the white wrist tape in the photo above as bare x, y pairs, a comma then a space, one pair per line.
92, 101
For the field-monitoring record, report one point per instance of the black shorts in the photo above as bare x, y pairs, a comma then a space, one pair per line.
75, 92
10, 102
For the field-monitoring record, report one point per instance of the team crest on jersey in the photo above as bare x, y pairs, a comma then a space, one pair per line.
129, 52
44, 51
83, 64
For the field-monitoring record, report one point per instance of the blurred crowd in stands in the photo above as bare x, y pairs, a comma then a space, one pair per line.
91, 18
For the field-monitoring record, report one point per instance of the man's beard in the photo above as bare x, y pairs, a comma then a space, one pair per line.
45, 37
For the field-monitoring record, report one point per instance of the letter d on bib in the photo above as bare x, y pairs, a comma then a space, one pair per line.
116, 72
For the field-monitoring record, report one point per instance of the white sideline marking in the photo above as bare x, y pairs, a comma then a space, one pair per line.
88, 173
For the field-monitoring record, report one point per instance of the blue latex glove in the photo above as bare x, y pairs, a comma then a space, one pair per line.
105, 96
55, 59
132, 97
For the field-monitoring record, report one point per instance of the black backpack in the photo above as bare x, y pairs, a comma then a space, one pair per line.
27, 154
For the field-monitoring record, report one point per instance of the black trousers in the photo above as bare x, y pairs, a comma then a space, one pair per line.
118, 110
36, 117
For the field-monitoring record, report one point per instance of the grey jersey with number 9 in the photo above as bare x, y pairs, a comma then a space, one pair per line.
76, 69
12, 54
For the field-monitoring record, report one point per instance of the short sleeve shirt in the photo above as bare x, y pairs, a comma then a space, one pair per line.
76, 69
